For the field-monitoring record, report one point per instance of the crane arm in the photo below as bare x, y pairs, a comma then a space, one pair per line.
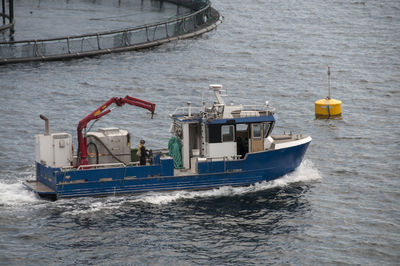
100, 112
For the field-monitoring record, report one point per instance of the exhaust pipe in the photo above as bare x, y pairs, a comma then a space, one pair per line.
47, 126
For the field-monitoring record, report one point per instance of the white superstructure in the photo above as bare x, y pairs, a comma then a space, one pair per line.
54, 149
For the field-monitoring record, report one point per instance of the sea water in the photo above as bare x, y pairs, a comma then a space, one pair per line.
339, 207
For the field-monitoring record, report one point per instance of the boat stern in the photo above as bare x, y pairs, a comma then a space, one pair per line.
40, 189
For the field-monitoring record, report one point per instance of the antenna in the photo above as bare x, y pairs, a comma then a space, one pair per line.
329, 82
202, 96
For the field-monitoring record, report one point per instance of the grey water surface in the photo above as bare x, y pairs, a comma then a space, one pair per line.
341, 207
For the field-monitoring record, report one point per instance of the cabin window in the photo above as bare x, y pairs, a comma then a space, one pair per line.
227, 133
256, 131
242, 127
271, 128
266, 129
242, 139
214, 133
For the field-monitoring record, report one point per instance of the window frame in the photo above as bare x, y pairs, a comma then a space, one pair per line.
252, 131
231, 131
266, 128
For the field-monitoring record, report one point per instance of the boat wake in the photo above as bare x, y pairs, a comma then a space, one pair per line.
15, 194
306, 172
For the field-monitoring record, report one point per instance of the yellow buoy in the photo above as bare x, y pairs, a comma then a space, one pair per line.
328, 107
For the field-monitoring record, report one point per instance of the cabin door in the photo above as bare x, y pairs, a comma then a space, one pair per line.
257, 141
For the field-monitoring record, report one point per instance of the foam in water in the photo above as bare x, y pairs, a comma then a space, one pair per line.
16, 194
90, 205
304, 173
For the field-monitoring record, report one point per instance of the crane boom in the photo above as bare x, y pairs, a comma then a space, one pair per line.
100, 112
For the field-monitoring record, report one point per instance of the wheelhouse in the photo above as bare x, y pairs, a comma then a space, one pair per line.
222, 132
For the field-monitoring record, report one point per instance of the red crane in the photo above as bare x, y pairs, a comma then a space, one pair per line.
97, 114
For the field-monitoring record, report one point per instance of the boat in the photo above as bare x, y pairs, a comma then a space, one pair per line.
210, 147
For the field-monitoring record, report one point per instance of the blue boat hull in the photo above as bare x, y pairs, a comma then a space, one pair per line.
255, 167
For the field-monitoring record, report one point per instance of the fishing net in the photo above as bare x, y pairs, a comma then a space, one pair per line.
174, 147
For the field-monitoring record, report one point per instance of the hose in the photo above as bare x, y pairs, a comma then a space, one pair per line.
108, 150
97, 151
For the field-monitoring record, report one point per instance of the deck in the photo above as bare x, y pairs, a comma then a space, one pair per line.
282, 138
39, 187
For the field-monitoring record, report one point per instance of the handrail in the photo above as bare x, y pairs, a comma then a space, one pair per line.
203, 20
258, 107
184, 110
221, 158
248, 107
100, 165
146, 26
